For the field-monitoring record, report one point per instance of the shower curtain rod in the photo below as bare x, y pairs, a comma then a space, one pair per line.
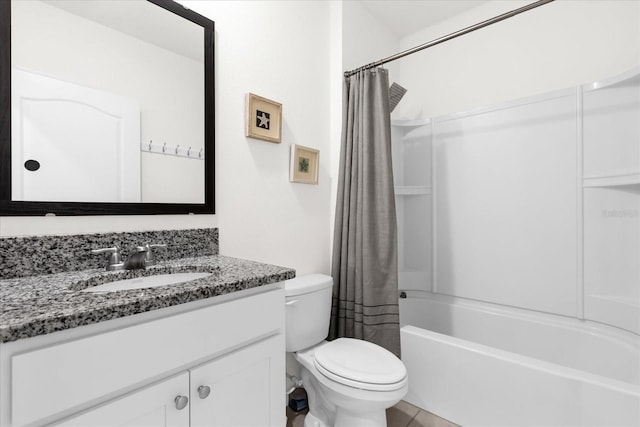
449, 36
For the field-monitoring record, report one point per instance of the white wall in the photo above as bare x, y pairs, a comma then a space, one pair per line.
555, 46
335, 105
364, 38
279, 50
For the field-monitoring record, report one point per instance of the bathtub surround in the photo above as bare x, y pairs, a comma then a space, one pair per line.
33, 256
488, 353
365, 257
552, 232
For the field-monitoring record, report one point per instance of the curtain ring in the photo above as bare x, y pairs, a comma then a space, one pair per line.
189, 152
177, 146
164, 147
200, 153
150, 142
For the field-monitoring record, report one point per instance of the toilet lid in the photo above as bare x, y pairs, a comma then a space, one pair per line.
360, 364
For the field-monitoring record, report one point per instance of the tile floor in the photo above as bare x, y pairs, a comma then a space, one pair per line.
406, 415
402, 415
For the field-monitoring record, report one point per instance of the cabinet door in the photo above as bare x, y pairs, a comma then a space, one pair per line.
246, 388
153, 406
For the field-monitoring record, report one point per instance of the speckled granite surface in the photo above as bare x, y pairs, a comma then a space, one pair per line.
39, 305
33, 256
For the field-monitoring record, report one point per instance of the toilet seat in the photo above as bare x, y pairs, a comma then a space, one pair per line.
360, 364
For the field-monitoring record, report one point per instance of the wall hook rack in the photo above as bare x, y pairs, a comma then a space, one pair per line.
170, 150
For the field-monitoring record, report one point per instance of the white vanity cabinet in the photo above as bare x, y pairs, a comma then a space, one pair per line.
233, 390
155, 368
151, 406
239, 388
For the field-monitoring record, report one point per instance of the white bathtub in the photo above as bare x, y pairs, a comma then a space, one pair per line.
479, 364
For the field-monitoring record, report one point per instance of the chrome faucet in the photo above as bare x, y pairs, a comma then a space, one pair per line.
140, 259
135, 261
149, 258
115, 258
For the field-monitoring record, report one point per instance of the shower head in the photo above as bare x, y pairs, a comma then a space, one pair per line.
396, 92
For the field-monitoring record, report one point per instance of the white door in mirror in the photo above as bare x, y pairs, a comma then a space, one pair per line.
72, 143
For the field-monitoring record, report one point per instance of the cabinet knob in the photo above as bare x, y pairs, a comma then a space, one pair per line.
203, 391
181, 402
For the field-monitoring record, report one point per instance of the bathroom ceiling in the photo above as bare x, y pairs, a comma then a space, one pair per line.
405, 17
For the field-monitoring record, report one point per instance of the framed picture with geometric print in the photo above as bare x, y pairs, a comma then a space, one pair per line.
304, 164
264, 119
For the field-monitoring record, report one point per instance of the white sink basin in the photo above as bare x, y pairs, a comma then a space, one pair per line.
147, 282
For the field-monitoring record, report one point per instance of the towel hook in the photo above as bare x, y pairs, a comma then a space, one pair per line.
164, 147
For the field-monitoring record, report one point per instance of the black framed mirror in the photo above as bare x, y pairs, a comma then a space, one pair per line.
106, 108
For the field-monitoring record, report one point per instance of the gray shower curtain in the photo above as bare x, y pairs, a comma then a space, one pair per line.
365, 258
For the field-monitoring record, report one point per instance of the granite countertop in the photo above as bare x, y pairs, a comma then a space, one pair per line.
39, 305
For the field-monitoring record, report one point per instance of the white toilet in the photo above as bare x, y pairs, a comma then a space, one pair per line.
349, 382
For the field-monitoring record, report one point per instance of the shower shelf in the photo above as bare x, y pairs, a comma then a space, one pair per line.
613, 180
412, 190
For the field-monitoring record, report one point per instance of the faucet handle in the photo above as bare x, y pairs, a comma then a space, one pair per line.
115, 258
149, 258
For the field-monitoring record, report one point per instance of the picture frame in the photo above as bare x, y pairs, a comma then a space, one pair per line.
263, 119
304, 164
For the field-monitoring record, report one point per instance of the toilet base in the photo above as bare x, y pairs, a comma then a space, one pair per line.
321, 410
310, 420
376, 418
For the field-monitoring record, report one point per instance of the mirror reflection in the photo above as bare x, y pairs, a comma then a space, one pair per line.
107, 103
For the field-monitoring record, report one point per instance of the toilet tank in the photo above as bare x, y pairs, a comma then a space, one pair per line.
308, 310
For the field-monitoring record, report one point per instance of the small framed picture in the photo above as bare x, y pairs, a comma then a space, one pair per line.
264, 119
304, 164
